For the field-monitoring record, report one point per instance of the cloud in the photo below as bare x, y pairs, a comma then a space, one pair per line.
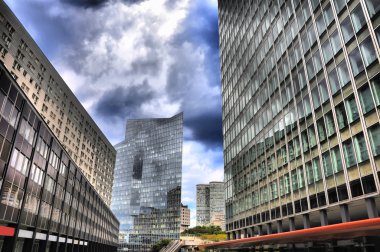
94, 3
123, 101
171, 46
193, 78
140, 59
206, 128
86, 3
199, 165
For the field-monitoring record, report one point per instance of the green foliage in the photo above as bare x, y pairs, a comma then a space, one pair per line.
200, 230
159, 245
214, 237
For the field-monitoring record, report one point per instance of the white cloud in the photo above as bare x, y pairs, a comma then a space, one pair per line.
130, 45
119, 37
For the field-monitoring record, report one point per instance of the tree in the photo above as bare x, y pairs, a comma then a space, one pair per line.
159, 245
198, 230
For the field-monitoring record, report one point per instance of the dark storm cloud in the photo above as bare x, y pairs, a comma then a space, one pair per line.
123, 102
86, 3
206, 128
202, 112
200, 26
93, 3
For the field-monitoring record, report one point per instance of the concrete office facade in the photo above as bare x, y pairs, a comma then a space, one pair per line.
185, 218
301, 89
55, 102
210, 204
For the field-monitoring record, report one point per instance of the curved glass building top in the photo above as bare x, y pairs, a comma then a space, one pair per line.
147, 184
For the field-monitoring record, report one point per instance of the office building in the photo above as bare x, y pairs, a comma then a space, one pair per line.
185, 218
210, 204
55, 102
146, 195
301, 95
47, 204
203, 205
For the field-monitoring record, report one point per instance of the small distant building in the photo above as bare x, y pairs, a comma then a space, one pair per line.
185, 218
210, 204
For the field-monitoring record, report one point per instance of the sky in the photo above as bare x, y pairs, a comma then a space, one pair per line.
127, 59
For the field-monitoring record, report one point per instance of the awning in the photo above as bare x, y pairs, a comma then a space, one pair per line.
7, 231
347, 230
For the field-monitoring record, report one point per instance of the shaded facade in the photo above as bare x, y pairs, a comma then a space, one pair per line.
203, 205
55, 102
147, 190
185, 218
301, 88
46, 201
210, 204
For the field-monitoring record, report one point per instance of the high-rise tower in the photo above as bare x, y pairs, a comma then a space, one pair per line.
210, 204
147, 190
301, 96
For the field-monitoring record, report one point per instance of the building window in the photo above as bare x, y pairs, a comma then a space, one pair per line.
366, 100
375, 85
347, 30
20, 162
336, 160
368, 52
307, 105
339, 5
360, 148
374, 137
343, 73
352, 110
377, 32
330, 126
373, 7
327, 167
327, 51
334, 81
316, 169
312, 139
335, 42
341, 116
317, 62
358, 19
315, 96
356, 61
305, 141
321, 26
36, 174
323, 91
349, 155
321, 130
309, 173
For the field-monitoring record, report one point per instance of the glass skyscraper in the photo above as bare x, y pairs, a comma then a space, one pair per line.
147, 190
301, 97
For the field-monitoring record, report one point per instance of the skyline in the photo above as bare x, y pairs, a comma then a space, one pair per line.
143, 73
